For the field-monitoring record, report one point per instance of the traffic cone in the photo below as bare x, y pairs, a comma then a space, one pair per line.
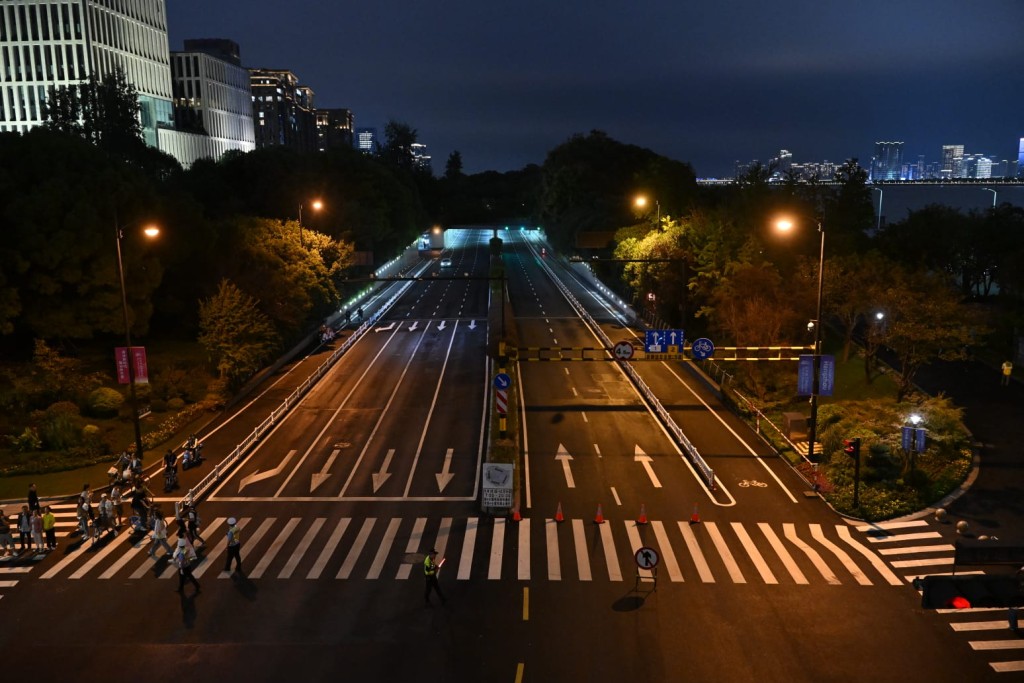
516, 517
642, 519
558, 513
695, 517
599, 517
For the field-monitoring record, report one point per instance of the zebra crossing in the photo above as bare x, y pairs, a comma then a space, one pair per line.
917, 549
488, 549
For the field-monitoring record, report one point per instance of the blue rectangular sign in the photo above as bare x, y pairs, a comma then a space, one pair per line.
805, 376
906, 437
920, 440
912, 439
827, 375
658, 341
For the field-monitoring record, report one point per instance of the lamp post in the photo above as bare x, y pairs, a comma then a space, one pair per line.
150, 231
994, 195
316, 205
785, 225
878, 221
641, 202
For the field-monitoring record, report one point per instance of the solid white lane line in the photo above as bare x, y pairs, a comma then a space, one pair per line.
780, 550
635, 544
274, 549
667, 556
300, 551
413, 547
579, 538
875, 560
384, 549
703, 569
789, 531
524, 550
468, 543
441, 540
904, 537
497, 547
328, 550
926, 562
615, 495
840, 554
723, 550
610, 558
910, 550
891, 525
551, 536
357, 548
755, 555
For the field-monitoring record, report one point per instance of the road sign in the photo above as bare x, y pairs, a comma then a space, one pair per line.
501, 401
646, 558
663, 341
623, 350
502, 381
702, 348
497, 485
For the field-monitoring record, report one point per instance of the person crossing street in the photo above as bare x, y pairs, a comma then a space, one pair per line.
234, 546
184, 564
430, 569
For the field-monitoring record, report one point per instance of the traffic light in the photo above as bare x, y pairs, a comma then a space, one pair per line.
852, 447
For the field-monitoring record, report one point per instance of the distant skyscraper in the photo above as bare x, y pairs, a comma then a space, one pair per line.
420, 158
952, 161
334, 128
888, 161
1020, 159
366, 140
282, 110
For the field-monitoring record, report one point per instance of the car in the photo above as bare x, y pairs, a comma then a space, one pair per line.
446, 262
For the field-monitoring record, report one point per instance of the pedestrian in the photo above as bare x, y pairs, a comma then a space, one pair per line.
430, 569
117, 501
25, 527
159, 535
139, 504
1007, 371
86, 495
184, 565
107, 513
6, 542
33, 498
37, 530
234, 546
193, 522
50, 528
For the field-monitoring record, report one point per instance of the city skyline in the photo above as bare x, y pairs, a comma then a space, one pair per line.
703, 84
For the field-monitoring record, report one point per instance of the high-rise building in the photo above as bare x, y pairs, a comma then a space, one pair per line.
334, 128
887, 163
282, 110
48, 44
952, 161
366, 140
212, 96
420, 158
1020, 159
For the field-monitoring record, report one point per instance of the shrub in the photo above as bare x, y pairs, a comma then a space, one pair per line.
158, 405
59, 426
175, 404
104, 402
27, 441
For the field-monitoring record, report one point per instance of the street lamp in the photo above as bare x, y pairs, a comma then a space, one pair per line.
641, 202
785, 225
878, 221
316, 205
149, 231
915, 420
994, 195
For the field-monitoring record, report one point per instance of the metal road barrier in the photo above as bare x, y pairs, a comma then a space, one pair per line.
246, 445
691, 451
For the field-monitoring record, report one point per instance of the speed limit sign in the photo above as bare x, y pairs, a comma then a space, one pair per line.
623, 350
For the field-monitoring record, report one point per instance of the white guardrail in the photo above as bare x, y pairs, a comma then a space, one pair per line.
243, 448
703, 468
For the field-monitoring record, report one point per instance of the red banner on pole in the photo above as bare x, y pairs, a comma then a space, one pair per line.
139, 366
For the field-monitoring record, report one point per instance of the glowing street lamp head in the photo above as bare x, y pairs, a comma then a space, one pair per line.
915, 419
151, 231
640, 202
879, 316
317, 205
784, 225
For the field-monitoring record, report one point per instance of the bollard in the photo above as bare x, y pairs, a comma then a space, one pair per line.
1011, 619
940, 515
961, 527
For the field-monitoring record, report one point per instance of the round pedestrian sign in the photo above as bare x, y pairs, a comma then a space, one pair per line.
646, 558
702, 348
623, 350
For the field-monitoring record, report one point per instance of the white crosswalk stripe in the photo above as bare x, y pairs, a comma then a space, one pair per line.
362, 549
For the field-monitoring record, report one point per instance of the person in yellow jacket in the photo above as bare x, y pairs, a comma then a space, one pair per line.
50, 529
430, 569
234, 546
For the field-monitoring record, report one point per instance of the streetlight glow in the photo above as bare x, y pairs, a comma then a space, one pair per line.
151, 231
640, 201
784, 225
915, 419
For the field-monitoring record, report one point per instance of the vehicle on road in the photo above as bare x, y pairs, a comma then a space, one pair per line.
446, 262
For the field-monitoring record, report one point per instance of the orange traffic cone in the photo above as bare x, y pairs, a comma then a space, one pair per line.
599, 517
695, 517
516, 517
558, 513
642, 519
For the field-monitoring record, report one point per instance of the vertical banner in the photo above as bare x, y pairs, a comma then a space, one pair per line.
805, 376
139, 365
827, 375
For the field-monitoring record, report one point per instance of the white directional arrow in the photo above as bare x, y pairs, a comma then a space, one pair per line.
321, 476
441, 326
385, 329
564, 456
380, 477
444, 476
260, 476
472, 324
412, 328
646, 460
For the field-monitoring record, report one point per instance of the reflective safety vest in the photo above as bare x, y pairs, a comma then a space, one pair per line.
234, 535
429, 568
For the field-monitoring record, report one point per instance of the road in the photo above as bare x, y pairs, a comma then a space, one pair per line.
380, 462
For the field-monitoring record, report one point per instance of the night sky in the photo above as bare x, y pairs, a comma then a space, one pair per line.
704, 82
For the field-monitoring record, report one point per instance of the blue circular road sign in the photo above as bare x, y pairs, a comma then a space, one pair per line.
502, 381
702, 348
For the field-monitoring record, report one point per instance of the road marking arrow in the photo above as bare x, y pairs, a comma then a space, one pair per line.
412, 328
444, 476
472, 324
321, 476
441, 326
564, 456
646, 460
380, 477
260, 476
385, 329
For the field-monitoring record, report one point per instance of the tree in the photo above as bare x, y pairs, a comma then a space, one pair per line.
235, 333
453, 167
106, 112
397, 150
